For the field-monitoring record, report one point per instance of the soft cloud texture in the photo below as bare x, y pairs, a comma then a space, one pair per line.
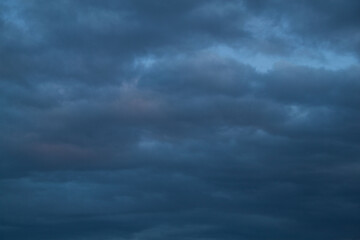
134, 120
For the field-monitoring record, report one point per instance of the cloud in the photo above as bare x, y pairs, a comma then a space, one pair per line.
182, 120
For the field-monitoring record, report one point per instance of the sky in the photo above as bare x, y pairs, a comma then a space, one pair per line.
182, 120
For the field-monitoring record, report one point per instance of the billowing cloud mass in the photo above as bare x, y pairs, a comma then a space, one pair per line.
191, 120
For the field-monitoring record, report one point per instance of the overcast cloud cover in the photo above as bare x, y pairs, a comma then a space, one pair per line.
179, 119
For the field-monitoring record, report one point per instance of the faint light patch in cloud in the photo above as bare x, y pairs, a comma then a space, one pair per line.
298, 113
263, 63
136, 102
12, 15
18, 27
149, 144
265, 28
144, 62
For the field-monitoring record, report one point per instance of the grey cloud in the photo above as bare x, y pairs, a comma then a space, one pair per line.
118, 120
327, 24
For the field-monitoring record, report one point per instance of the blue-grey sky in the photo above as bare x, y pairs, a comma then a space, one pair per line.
179, 119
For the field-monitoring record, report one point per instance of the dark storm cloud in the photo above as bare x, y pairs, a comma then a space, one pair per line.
330, 24
131, 120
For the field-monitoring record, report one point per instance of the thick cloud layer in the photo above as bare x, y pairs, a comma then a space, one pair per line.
134, 120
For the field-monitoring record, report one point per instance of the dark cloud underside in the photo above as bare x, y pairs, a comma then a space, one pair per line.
134, 120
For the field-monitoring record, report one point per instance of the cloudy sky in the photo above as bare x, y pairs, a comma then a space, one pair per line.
179, 119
